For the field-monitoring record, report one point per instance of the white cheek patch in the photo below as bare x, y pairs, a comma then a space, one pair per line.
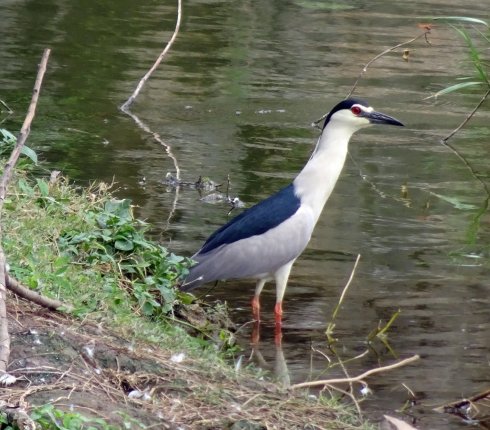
366, 109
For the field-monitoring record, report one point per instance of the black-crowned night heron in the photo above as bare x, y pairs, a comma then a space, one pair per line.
264, 241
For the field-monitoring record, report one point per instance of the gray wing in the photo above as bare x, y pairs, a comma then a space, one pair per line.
255, 256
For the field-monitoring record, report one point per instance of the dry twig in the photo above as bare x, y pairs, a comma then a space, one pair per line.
364, 69
470, 115
28, 294
358, 378
386, 51
132, 98
127, 104
4, 180
331, 324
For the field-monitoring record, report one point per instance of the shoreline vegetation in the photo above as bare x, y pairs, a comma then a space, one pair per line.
123, 358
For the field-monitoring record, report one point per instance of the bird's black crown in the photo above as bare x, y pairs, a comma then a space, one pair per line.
344, 104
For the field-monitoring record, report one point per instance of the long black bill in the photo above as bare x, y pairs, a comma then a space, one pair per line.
381, 118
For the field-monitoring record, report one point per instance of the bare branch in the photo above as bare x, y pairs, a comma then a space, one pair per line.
364, 69
386, 51
127, 104
4, 180
358, 378
28, 294
132, 98
25, 130
470, 115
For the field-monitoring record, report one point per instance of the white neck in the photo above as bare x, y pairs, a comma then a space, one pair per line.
316, 181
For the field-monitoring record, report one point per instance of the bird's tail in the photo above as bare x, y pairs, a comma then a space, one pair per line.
190, 283
194, 279
207, 269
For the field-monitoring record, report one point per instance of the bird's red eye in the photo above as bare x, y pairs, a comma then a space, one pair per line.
356, 110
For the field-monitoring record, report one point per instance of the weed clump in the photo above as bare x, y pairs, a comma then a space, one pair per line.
84, 246
111, 236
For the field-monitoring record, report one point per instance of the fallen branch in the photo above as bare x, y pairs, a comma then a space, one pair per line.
28, 294
4, 181
358, 378
17, 417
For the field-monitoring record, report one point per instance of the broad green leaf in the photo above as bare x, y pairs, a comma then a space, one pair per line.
124, 245
7, 136
25, 187
30, 153
43, 187
120, 208
186, 298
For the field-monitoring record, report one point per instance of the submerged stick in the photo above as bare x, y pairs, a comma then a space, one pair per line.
132, 98
331, 324
358, 378
127, 104
4, 181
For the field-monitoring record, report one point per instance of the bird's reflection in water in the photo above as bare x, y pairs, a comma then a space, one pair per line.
279, 368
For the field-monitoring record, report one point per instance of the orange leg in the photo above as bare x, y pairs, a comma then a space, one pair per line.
278, 327
256, 301
278, 313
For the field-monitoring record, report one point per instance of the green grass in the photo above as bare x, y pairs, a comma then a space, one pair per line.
48, 417
85, 247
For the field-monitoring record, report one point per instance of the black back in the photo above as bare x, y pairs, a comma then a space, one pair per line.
258, 219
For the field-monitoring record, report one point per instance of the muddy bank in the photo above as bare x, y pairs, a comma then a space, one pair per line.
80, 365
